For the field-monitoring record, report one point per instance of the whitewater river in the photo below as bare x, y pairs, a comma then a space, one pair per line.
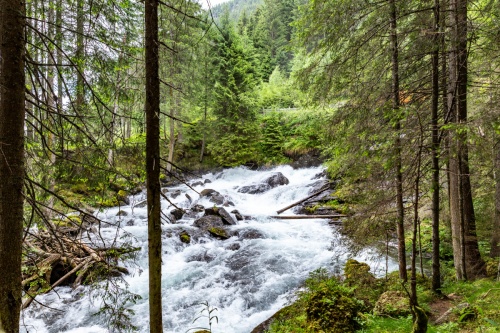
247, 277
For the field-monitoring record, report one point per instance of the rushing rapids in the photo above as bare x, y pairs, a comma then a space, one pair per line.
247, 277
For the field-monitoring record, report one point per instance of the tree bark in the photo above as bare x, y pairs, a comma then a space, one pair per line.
436, 274
397, 145
79, 57
12, 169
152, 109
495, 237
467, 258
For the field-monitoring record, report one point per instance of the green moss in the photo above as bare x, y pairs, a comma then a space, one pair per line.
393, 304
185, 237
218, 232
67, 221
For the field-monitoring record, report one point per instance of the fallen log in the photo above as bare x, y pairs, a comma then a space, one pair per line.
306, 217
302, 200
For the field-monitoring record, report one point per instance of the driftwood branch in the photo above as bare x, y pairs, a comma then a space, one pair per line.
302, 200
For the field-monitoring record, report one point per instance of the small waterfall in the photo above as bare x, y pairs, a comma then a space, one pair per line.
247, 277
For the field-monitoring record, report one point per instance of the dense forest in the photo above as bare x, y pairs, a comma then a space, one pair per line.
399, 100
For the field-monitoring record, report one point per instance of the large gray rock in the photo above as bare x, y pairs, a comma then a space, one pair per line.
213, 196
278, 179
227, 219
254, 189
208, 221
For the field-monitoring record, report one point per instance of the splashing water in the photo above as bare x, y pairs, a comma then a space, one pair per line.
247, 279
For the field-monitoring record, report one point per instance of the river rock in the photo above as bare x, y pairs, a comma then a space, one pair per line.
177, 214
198, 183
185, 237
255, 189
250, 234
234, 247
237, 214
214, 225
213, 196
175, 194
277, 179
208, 221
227, 219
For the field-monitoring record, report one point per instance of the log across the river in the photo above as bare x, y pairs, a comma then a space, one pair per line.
304, 217
301, 201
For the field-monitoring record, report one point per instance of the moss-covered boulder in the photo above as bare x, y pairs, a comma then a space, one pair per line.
218, 233
185, 237
332, 308
392, 303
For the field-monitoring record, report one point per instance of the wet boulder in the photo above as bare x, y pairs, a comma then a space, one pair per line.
208, 221
177, 214
195, 211
185, 237
250, 234
217, 232
213, 196
255, 189
275, 180
227, 219
237, 214
278, 179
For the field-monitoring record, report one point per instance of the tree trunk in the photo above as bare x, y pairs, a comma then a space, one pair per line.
495, 237
80, 90
436, 274
399, 175
467, 258
12, 106
152, 109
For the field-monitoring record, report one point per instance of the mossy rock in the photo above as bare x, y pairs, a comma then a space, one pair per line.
80, 188
332, 308
109, 202
218, 232
67, 221
358, 273
185, 237
392, 303
491, 267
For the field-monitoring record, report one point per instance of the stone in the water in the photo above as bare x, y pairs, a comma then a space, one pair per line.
177, 214
185, 237
208, 221
121, 213
226, 217
237, 214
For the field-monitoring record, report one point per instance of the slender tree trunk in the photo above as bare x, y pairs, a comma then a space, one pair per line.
152, 109
204, 140
80, 50
399, 175
436, 274
51, 103
495, 237
171, 141
12, 104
